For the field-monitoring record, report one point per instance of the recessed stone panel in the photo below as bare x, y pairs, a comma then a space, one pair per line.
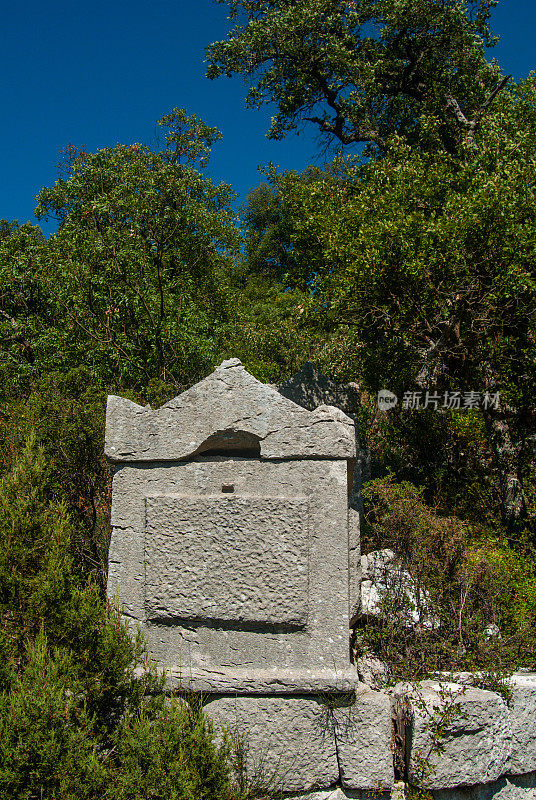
227, 558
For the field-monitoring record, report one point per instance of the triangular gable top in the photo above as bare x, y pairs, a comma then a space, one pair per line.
227, 408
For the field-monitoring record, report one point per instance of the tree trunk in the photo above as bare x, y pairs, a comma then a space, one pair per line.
507, 455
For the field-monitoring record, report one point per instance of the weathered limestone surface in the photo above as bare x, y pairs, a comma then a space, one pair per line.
523, 721
476, 741
214, 649
348, 741
373, 672
289, 741
363, 736
383, 575
519, 787
228, 407
272, 680
230, 536
227, 558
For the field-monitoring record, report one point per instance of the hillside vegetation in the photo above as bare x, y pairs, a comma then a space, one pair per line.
407, 263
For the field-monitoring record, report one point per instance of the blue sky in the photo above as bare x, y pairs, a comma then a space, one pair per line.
99, 73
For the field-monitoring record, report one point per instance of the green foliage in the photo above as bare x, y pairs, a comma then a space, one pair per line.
269, 333
39, 590
26, 318
80, 703
34, 559
446, 454
428, 259
137, 270
461, 579
269, 245
362, 71
411, 270
47, 740
66, 414
172, 757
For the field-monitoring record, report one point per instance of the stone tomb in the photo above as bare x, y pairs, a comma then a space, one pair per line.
230, 548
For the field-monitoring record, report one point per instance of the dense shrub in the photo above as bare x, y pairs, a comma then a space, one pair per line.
463, 579
82, 712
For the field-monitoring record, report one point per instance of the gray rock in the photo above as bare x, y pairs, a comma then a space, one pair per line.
474, 742
230, 536
269, 681
363, 735
492, 632
522, 759
229, 409
227, 558
518, 787
344, 794
377, 565
287, 742
521, 688
373, 672
383, 578
310, 389
304, 630
231, 541
306, 743
326, 794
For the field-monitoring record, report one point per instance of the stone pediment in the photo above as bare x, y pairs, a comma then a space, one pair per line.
230, 410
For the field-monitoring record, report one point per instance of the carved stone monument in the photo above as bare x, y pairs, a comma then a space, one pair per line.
231, 542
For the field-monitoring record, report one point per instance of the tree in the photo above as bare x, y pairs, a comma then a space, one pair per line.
362, 70
269, 249
25, 308
429, 259
138, 266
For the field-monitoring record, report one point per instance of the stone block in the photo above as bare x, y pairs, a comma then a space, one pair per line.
363, 735
343, 794
288, 742
227, 558
233, 529
523, 721
298, 628
228, 408
373, 672
461, 735
511, 787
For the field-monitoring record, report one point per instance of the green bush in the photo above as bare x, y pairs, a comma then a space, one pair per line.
48, 746
82, 711
463, 579
171, 756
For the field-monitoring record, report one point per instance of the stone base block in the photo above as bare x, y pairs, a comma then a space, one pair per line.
513, 787
287, 743
363, 737
315, 742
342, 794
523, 720
461, 735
